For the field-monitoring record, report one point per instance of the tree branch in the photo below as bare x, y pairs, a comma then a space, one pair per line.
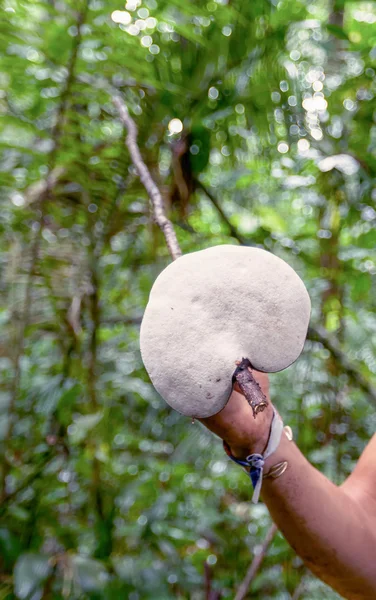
298, 590
233, 231
8, 498
59, 124
256, 564
351, 368
146, 178
39, 188
210, 594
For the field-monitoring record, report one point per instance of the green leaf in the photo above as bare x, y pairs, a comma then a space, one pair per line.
337, 32
66, 402
18, 512
30, 571
10, 546
200, 137
82, 425
244, 181
367, 240
361, 286
90, 574
271, 219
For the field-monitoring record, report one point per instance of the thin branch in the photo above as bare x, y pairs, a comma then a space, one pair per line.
351, 368
39, 188
49, 454
103, 83
298, 590
207, 580
210, 594
146, 178
57, 131
233, 231
256, 564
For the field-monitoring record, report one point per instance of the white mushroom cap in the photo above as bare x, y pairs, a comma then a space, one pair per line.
211, 308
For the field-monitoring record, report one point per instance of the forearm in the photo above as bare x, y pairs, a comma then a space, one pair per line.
332, 528
333, 533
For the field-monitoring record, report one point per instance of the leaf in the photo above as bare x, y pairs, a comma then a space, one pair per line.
361, 286
18, 512
271, 220
244, 181
82, 425
201, 139
367, 240
337, 32
30, 571
90, 574
4, 423
10, 546
66, 403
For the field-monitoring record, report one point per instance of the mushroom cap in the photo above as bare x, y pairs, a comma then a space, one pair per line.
213, 307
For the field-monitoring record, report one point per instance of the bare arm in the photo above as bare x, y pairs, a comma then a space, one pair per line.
332, 528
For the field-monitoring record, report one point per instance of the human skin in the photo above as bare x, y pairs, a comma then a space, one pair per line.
332, 528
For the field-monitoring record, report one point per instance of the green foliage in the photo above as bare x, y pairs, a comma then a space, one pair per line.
106, 492
30, 572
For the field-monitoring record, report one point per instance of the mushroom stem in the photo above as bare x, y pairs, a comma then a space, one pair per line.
249, 386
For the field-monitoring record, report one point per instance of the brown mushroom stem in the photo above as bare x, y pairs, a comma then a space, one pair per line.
249, 386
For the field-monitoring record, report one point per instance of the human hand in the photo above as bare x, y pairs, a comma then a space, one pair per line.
236, 425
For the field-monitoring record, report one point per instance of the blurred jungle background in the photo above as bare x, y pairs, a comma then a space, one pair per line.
257, 121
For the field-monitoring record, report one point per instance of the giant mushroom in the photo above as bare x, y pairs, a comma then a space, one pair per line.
212, 314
